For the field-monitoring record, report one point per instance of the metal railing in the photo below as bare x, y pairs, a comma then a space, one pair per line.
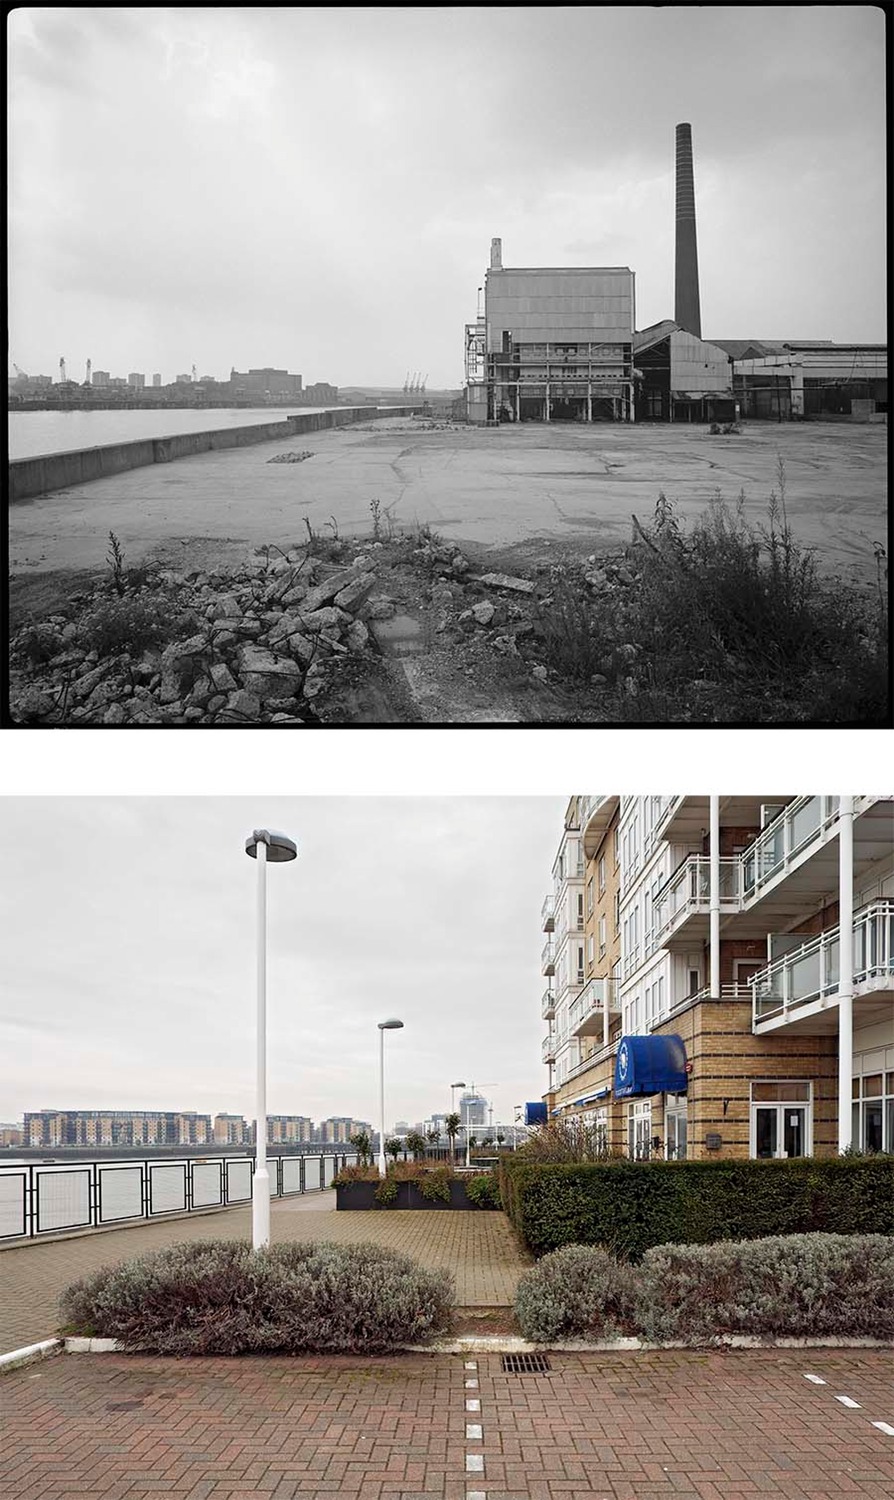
600, 1055
548, 1004
39, 1198
800, 824
812, 971
548, 958
688, 890
548, 1049
594, 998
548, 914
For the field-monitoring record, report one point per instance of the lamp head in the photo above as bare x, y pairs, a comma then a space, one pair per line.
390, 1025
278, 845
458, 1085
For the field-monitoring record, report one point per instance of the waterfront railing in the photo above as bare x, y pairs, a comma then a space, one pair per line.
38, 1199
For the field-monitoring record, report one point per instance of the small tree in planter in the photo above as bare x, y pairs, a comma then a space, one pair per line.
417, 1144
393, 1147
500, 1138
451, 1125
363, 1146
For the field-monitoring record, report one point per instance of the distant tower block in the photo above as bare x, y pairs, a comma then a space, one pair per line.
687, 311
496, 255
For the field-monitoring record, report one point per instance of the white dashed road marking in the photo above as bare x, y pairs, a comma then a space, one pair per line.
817, 1379
846, 1401
884, 1427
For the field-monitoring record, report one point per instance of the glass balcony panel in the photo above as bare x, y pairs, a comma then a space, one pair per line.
806, 821
805, 976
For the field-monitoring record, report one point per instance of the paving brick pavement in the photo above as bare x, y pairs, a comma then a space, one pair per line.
736, 1425
478, 1247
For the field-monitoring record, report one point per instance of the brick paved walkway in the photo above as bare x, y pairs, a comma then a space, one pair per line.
671, 1426
479, 1247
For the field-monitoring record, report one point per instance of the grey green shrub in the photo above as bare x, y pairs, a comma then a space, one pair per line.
579, 1291
483, 1191
799, 1285
221, 1297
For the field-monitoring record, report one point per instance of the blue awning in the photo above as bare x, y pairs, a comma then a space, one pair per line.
589, 1098
650, 1065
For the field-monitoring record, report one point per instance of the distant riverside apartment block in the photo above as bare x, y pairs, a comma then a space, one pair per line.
101, 377
720, 974
87, 1127
266, 382
137, 381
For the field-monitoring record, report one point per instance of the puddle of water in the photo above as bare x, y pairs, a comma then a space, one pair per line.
400, 636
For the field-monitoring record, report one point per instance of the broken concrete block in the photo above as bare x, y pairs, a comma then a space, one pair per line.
503, 581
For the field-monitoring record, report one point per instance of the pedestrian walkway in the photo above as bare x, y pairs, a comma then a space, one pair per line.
478, 1247
739, 1425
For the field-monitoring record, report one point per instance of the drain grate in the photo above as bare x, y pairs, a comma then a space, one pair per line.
525, 1364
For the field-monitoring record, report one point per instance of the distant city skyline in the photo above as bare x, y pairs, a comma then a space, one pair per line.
321, 186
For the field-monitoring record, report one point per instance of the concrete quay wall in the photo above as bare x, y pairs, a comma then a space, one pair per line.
58, 471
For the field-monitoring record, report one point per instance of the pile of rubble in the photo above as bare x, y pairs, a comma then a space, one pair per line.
253, 646
290, 458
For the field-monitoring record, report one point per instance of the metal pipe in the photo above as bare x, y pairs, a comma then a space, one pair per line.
260, 1185
714, 851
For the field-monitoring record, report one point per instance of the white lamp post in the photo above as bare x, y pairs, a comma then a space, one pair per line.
263, 845
383, 1027
453, 1088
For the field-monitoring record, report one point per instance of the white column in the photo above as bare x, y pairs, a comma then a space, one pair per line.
260, 1185
845, 969
714, 852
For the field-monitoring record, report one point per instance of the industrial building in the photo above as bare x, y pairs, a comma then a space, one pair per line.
680, 377
721, 974
778, 381
551, 345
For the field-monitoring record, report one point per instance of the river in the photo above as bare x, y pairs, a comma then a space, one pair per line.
35, 432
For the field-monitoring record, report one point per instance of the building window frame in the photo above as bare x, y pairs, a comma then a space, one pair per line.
780, 1095
639, 1129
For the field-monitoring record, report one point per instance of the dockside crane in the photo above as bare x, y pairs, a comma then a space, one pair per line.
21, 373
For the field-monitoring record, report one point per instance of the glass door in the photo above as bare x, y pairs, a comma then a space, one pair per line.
780, 1130
766, 1130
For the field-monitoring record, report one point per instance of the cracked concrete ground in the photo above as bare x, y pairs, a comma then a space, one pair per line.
525, 489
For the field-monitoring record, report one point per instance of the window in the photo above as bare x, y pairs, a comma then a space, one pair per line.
617, 912
580, 911
616, 848
873, 1112
580, 963
590, 902
602, 937
694, 982
601, 868
591, 948
675, 1130
781, 1119
639, 1129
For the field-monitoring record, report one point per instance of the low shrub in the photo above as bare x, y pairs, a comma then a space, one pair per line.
125, 624
578, 1292
799, 1285
483, 1191
386, 1192
435, 1185
221, 1297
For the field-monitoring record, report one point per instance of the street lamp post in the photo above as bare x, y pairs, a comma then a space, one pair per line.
263, 845
453, 1088
383, 1027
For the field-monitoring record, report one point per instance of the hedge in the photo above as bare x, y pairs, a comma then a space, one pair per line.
629, 1206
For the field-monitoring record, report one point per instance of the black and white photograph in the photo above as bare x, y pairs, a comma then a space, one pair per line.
449, 366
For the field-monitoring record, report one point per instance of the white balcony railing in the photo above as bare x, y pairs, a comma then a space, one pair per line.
587, 1011
548, 1005
688, 891
602, 1054
548, 1049
548, 914
548, 958
812, 971
800, 824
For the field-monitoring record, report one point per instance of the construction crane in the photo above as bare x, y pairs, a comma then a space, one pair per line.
21, 373
62, 369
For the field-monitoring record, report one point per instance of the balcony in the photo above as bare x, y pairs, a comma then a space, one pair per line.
799, 991
549, 1048
548, 958
601, 1055
681, 909
587, 1013
548, 914
596, 814
548, 1005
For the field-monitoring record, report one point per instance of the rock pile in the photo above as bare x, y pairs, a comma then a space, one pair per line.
251, 646
290, 458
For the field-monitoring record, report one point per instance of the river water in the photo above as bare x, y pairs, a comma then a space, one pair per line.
35, 432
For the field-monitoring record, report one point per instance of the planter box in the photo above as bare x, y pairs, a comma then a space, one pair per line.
361, 1195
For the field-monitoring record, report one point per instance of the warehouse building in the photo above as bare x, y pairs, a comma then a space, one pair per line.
552, 345
809, 379
681, 378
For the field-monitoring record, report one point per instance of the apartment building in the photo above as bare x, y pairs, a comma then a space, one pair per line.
749, 1007
87, 1127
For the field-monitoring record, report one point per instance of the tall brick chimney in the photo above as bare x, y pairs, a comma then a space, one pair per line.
687, 311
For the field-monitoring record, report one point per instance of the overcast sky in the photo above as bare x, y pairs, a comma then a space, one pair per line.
129, 952
317, 189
